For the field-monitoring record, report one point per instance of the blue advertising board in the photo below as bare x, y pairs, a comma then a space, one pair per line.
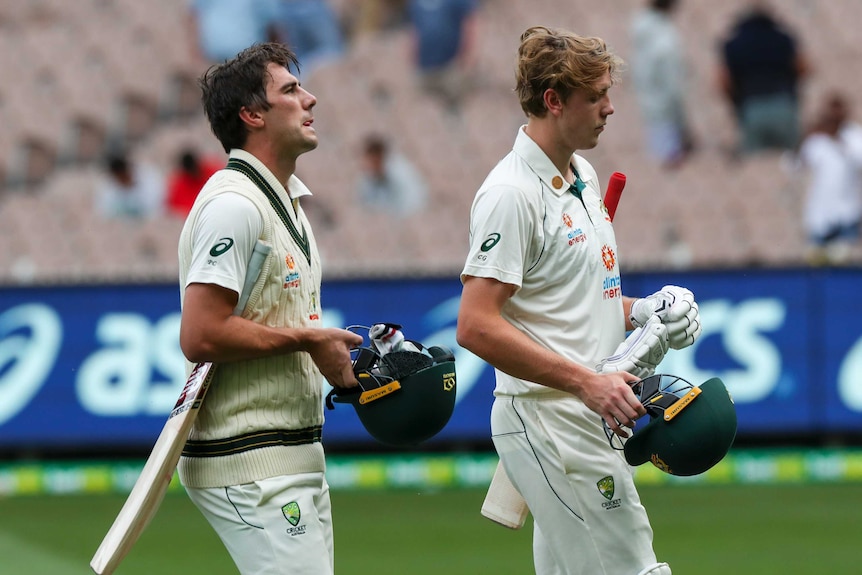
100, 366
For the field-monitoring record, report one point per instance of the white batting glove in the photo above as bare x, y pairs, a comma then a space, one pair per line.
641, 351
676, 308
386, 337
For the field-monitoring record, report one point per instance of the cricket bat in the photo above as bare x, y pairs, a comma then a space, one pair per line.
503, 503
158, 471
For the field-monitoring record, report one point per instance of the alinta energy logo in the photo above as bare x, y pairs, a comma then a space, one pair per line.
292, 279
609, 258
573, 236
611, 287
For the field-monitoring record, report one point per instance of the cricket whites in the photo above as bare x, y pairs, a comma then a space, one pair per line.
503, 503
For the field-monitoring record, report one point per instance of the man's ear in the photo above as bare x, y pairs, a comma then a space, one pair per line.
553, 102
251, 117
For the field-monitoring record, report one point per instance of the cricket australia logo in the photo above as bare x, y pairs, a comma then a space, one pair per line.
606, 488
293, 514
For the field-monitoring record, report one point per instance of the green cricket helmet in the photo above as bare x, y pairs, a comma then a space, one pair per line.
404, 396
690, 428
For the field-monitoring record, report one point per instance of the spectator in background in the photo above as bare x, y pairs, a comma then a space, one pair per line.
312, 30
363, 17
444, 33
388, 181
761, 69
130, 190
831, 154
187, 179
659, 72
219, 29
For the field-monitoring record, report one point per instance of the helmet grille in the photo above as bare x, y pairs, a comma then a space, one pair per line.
399, 364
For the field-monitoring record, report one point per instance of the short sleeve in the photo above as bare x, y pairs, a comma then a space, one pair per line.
224, 236
500, 232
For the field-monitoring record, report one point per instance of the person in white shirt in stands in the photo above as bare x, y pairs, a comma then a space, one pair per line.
388, 181
831, 155
132, 190
659, 73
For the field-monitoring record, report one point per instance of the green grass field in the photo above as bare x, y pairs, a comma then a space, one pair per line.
700, 530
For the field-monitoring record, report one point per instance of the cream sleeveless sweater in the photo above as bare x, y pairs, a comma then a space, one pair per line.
262, 418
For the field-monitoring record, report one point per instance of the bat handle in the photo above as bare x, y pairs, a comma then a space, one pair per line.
255, 264
613, 193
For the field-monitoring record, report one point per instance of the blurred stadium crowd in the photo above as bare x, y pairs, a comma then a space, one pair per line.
83, 76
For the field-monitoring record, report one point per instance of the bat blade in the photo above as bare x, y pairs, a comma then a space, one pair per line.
503, 503
152, 484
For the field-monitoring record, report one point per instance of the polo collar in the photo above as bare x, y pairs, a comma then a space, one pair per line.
295, 187
539, 162
269, 186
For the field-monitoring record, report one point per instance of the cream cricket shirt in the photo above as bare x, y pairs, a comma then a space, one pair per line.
262, 417
529, 230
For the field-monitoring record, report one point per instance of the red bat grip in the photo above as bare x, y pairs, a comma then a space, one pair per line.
614, 191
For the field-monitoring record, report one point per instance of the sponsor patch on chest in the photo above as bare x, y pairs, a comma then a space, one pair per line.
291, 279
574, 235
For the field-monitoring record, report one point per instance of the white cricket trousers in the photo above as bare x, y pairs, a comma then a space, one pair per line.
277, 526
587, 515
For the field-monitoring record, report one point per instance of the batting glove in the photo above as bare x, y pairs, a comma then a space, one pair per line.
641, 351
676, 308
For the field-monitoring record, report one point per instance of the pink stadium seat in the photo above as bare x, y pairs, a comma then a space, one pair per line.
126, 56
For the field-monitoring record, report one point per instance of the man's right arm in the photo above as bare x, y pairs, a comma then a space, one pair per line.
210, 332
483, 331
223, 239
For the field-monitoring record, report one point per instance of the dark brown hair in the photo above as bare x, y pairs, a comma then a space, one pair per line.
240, 82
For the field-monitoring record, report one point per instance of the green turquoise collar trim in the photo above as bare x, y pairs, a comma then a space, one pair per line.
264, 186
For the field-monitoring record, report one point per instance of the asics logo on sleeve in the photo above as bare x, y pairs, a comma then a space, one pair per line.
490, 242
223, 245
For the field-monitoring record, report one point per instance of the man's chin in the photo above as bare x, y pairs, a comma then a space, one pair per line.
310, 144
